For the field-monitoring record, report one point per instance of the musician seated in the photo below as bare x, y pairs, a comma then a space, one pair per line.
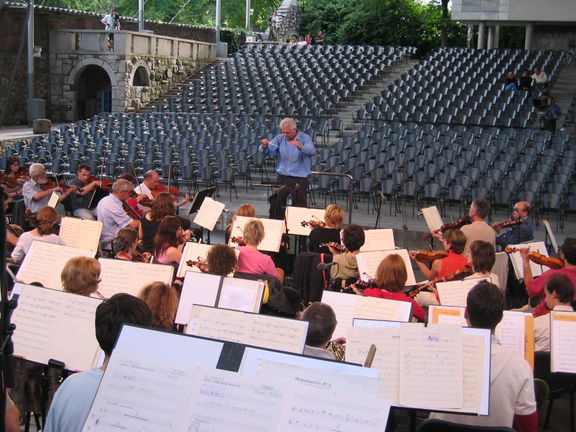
512, 402
251, 260
483, 258
169, 242
391, 278
559, 294
45, 231
330, 233
36, 194
519, 233
82, 199
81, 275
221, 260
111, 213
151, 186
72, 401
162, 300
14, 178
321, 325
346, 267
535, 286
245, 210
125, 244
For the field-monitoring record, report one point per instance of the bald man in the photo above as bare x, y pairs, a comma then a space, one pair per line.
519, 233
151, 180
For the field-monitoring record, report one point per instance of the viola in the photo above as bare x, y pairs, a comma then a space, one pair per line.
145, 201
457, 275
430, 256
313, 224
507, 223
457, 224
238, 240
540, 259
159, 188
105, 185
200, 263
336, 246
130, 211
53, 182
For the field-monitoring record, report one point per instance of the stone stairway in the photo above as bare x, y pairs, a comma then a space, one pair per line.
564, 89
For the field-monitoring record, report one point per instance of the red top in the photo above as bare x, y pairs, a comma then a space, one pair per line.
536, 287
417, 311
451, 264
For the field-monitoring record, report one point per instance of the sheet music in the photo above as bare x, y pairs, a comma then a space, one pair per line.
209, 213
273, 230
198, 288
516, 259
563, 341
241, 295
511, 331
383, 309
296, 215
79, 233
431, 366
452, 315
551, 235
119, 276
378, 239
432, 218
53, 201
455, 293
368, 263
250, 329
344, 306
372, 323
386, 360
53, 324
191, 252
44, 263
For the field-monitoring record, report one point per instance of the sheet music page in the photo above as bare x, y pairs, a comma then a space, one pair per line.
431, 367
452, 315
511, 331
249, 329
383, 309
44, 263
563, 341
378, 239
79, 233
432, 218
198, 288
368, 263
119, 276
241, 294
273, 230
516, 258
209, 213
386, 360
52, 324
53, 201
344, 306
193, 251
455, 293
314, 410
296, 215
360, 322
551, 235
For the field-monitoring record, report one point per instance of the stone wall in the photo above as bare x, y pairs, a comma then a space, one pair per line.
287, 23
46, 19
554, 38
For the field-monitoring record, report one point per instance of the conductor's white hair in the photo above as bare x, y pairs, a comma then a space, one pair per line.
288, 122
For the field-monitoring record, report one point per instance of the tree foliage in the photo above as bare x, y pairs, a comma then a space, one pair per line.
383, 22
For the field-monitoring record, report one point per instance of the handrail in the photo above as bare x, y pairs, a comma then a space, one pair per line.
350, 188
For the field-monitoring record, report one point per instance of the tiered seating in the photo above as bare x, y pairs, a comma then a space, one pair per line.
464, 86
284, 80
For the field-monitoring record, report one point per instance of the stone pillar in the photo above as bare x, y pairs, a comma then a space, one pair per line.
528, 37
497, 36
469, 36
481, 35
490, 43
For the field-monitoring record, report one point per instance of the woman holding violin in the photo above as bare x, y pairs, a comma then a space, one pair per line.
125, 246
45, 231
169, 242
483, 257
14, 177
327, 231
39, 188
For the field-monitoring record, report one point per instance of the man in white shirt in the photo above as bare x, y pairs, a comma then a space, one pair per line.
478, 229
559, 292
150, 183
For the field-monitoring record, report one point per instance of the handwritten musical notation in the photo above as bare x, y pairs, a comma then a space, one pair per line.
368, 263
80, 233
563, 341
129, 277
273, 230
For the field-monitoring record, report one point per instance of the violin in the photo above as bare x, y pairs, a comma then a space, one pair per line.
200, 263
336, 246
540, 259
460, 274
53, 182
19, 177
428, 257
161, 188
105, 185
360, 284
457, 224
507, 223
145, 201
313, 224
238, 240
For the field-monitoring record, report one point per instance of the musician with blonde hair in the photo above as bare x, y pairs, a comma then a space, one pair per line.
330, 233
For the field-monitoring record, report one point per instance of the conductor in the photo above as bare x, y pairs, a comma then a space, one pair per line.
294, 150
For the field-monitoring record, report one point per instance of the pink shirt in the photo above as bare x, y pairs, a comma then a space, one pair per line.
254, 262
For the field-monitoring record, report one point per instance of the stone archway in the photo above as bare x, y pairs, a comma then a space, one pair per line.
140, 76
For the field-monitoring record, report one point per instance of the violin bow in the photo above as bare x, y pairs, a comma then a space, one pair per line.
100, 175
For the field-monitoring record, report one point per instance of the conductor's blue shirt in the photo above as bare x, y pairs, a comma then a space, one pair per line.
291, 161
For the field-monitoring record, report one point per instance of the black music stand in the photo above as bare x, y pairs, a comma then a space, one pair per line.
197, 203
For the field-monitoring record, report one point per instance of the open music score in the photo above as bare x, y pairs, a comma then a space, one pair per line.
248, 328
53, 201
408, 375
273, 230
432, 218
217, 291
563, 341
80, 233
119, 276
209, 213
191, 252
44, 263
516, 258
52, 324
454, 293
296, 215
349, 306
168, 382
368, 263
378, 239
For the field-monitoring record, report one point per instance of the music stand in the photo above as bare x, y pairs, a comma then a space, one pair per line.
197, 203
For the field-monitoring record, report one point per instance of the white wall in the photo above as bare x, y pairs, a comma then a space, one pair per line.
514, 10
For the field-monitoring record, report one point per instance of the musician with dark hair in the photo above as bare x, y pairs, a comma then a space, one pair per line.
478, 229
321, 325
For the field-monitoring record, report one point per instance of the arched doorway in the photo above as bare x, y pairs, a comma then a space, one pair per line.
93, 92
141, 78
